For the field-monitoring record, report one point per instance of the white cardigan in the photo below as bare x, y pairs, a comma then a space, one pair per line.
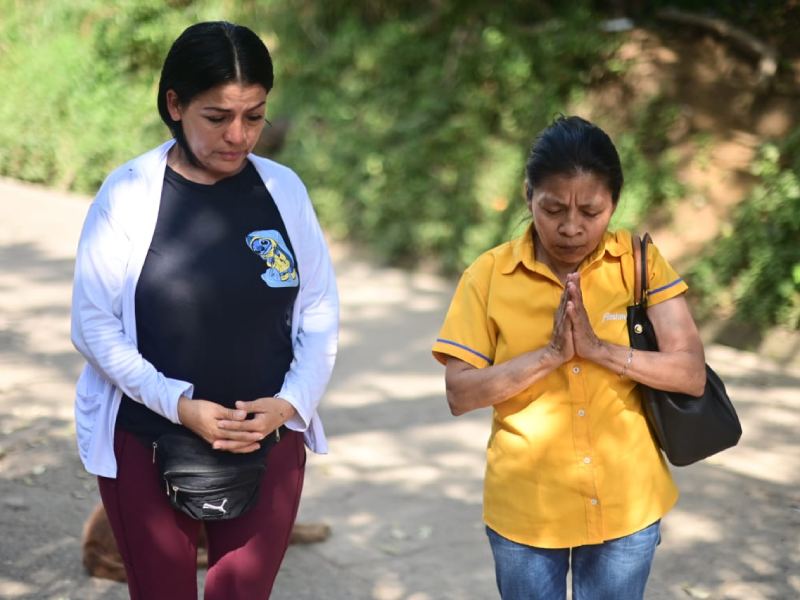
112, 248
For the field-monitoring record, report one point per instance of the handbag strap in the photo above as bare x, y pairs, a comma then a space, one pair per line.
640, 261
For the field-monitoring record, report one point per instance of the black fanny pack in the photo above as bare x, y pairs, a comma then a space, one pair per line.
209, 484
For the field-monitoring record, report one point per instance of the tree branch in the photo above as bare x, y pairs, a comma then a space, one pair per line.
767, 55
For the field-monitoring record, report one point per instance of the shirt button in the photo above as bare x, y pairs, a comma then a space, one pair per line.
587, 460
576, 369
581, 413
593, 501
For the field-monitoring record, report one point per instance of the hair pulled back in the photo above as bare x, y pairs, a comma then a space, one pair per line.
569, 146
206, 55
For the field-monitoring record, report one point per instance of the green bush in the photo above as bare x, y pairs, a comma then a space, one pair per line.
411, 121
84, 76
752, 271
648, 164
415, 138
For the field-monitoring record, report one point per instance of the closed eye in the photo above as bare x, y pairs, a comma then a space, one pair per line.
250, 119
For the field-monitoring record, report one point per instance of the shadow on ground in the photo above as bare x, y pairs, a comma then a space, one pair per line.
401, 487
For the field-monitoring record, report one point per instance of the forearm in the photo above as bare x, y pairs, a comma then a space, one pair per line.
471, 388
674, 371
317, 317
98, 338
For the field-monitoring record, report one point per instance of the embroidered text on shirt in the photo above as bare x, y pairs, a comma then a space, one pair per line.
615, 317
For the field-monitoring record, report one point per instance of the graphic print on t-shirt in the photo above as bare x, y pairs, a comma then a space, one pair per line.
271, 248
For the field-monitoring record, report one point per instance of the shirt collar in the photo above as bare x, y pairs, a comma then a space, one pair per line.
523, 252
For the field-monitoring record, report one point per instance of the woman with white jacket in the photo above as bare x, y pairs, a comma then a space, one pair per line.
204, 300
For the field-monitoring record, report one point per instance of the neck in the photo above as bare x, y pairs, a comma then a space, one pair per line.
558, 268
179, 162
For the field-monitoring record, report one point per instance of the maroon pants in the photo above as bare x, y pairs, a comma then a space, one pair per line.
158, 544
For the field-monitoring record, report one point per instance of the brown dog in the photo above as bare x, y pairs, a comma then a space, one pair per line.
102, 559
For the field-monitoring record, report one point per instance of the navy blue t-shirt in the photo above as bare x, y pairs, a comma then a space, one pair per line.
215, 296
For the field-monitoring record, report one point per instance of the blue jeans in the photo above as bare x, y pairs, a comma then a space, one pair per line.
614, 570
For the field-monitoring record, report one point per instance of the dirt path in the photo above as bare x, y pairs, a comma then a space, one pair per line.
401, 487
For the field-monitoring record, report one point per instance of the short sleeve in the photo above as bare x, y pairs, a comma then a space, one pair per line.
465, 333
663, 282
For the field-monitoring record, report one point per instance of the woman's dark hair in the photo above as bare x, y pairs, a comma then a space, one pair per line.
572, 145
206, 55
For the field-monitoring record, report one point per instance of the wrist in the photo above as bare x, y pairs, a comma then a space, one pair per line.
598, 351
551, 358
626, 364
286, 409
184, 406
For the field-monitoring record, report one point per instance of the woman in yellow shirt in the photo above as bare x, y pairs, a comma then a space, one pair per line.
536, 330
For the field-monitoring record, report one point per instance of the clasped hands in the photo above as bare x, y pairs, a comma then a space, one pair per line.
234, 429
572, 332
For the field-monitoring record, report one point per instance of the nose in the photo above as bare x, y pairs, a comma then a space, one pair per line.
570, 226
235, 134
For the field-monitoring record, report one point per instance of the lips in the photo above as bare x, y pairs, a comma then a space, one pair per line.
231, 155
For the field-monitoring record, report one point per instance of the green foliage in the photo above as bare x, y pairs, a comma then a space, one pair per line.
754, 268
420, 122
411, 121
648, 165
84, 76
71, 117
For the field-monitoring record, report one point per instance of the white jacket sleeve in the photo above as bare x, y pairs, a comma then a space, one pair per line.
97, 322
316, 341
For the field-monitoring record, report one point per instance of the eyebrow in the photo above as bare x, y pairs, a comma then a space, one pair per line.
228, 110
547, 198
551, 199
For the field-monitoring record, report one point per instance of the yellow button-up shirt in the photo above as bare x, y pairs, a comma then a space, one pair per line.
570, 460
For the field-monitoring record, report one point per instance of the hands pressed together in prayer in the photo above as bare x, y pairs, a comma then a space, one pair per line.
572, 332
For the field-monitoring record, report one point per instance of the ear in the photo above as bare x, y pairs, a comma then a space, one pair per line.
174, 105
